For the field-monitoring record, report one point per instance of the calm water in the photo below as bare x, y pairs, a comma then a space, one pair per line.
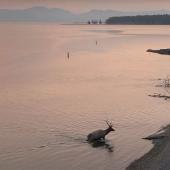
48, 104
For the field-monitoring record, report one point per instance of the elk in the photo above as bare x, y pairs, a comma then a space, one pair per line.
100, 134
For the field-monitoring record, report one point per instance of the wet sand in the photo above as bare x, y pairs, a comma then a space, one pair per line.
158, 158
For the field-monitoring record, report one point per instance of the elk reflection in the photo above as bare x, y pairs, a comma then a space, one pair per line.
103, 144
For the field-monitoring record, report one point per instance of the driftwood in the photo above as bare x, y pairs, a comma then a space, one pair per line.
165, 82
160, 96
157, 136
160, 134
161, 51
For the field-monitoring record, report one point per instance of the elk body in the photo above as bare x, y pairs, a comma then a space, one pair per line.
100, 134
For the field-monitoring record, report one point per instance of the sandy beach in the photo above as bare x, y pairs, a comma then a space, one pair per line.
158, 158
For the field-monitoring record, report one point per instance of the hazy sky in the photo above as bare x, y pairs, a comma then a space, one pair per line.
85, 5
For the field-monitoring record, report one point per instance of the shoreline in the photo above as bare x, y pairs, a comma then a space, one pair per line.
158, 158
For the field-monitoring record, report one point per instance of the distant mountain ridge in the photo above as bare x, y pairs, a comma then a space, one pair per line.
43, 14
37, 14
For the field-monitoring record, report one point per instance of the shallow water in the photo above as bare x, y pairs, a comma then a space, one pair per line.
49, 103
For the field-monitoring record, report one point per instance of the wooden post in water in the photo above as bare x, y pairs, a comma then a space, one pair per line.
68, 55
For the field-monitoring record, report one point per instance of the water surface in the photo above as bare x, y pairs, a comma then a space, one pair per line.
49, 103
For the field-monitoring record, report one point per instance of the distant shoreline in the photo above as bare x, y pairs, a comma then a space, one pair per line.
85, 24
158, 157
140, 20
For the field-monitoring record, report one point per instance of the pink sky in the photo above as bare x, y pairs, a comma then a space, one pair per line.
85, 5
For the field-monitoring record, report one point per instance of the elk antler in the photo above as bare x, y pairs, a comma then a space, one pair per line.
109, 124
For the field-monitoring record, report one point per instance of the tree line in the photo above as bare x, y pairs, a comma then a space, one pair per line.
140, 20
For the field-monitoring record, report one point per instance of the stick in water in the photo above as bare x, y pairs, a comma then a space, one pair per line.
68, 55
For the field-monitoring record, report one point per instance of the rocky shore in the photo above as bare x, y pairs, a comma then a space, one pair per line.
158, 158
